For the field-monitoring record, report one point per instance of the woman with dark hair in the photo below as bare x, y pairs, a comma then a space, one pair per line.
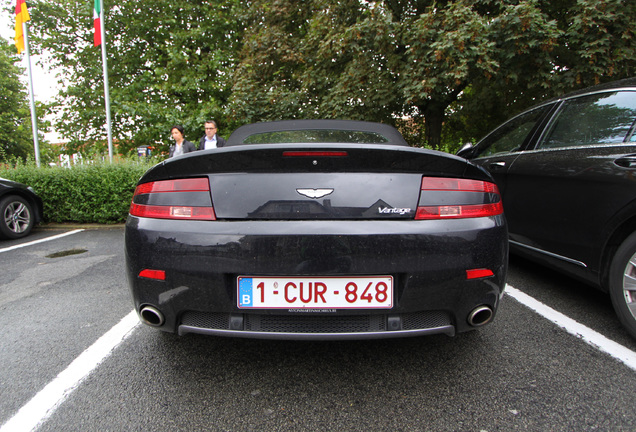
181, 145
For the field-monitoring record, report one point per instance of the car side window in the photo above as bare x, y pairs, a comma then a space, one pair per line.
604, 118
511, 135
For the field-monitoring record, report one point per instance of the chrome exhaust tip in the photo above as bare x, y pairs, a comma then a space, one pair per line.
480, 316
151, 316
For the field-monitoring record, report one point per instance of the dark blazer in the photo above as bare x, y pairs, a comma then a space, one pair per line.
187, 148
220, 142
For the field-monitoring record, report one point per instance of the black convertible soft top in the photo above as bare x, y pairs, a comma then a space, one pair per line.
316, 131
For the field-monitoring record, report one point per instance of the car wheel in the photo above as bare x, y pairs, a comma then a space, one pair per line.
16, 217
622, 284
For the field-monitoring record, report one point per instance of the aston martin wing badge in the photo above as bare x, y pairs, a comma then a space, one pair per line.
314, 193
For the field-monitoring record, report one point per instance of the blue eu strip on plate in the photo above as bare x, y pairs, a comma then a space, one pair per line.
245, 292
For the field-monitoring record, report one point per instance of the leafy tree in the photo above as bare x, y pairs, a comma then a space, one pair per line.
313, 59
388, 59
595, 44
597, 41
464, 64
16, 137
168, 63
444, 71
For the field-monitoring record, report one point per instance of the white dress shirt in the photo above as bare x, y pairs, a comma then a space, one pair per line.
210, 143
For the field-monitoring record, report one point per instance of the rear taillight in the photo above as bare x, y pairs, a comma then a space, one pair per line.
451, 198
183, 185
172, 212
187, 199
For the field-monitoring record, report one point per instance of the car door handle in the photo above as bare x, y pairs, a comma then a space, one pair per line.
497, 165
626, 161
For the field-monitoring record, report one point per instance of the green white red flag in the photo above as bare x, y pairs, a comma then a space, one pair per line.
99, 39
97, 19
21, 16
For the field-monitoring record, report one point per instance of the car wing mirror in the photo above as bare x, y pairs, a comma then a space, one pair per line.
465, 150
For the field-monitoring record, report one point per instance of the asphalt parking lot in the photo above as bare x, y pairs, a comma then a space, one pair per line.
74, 358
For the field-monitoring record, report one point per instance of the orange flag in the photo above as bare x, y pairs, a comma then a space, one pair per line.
21, 16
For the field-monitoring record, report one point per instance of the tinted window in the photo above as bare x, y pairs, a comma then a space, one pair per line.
604, 118
511, 135
317, 136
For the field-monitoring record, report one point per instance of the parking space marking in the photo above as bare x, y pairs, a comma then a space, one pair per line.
55, 237
591, 337
44, 404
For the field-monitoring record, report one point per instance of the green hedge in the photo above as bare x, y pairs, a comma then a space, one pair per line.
89, 193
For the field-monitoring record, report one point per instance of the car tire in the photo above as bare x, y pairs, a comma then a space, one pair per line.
622, 283
16, 217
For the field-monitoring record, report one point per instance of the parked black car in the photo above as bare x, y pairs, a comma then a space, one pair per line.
20, 209
567, 172
316, 230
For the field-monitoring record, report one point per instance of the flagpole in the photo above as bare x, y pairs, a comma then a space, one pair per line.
34, 120
106, 91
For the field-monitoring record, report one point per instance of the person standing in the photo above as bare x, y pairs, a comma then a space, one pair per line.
181, 145
210, 139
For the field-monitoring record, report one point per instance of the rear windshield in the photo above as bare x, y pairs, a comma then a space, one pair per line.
317, 136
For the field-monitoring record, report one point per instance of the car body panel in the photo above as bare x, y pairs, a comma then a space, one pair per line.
353, 217
346, 196
568, 205
204, 265
557, 197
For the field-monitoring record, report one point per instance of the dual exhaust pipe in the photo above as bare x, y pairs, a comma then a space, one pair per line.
480, 316
151, 316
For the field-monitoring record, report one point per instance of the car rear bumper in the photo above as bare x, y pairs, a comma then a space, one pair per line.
428, 260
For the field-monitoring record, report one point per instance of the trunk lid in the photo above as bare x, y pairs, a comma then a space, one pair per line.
330, 182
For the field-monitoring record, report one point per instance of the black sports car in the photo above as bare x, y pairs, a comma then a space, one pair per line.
567, 173
318, 229
20, 209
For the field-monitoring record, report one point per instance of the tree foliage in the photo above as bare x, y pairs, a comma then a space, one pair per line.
431, 62
168, 63
16, 138
444, 71
595, 43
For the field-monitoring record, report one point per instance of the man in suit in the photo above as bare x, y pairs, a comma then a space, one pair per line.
210, 139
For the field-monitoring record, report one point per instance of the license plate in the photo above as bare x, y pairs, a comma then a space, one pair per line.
368, 292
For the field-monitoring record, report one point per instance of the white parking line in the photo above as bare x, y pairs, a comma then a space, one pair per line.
43, 404
575, 328
55, 237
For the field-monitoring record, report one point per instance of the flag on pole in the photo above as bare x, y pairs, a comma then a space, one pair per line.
21, 16
22, 44
100, 39
97, 19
